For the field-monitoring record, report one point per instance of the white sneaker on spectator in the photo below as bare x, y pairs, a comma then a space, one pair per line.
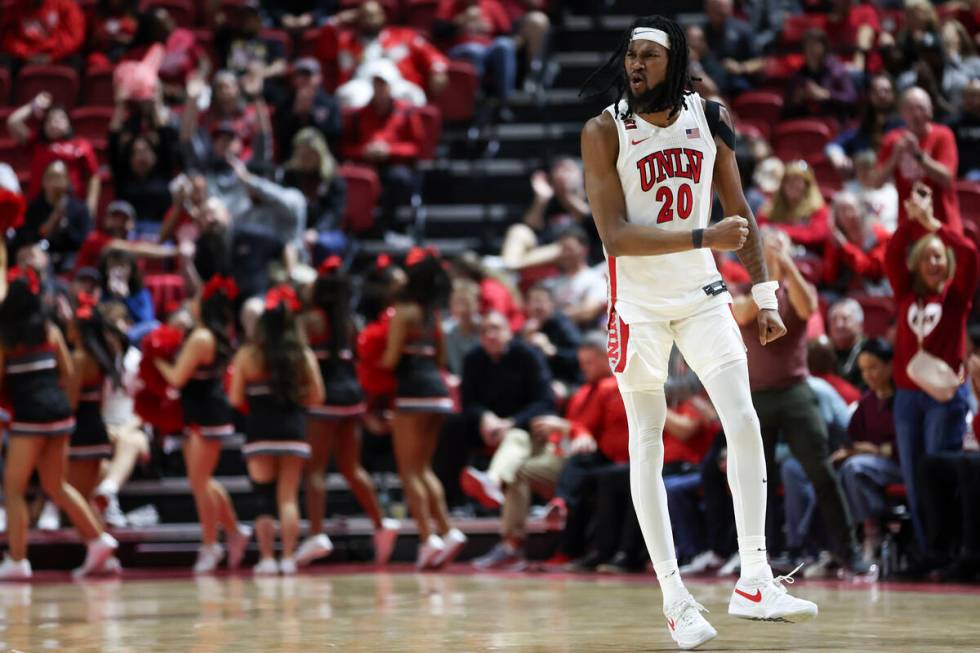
429, 550
732, 567
99, 551
237, 543
11, 569
287, 566
454, 540
208, 558
266, 567
313, 547
502, 556
112, 567
766, 599
686, 625
479, 486
50, 518
384, 540
823, 567
706, 561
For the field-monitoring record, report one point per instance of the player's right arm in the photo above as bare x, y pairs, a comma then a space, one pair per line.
600, 149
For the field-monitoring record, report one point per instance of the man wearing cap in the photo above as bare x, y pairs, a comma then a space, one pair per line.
420, 67
117, 223
306, 105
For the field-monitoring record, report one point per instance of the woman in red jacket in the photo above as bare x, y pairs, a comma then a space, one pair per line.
933, 272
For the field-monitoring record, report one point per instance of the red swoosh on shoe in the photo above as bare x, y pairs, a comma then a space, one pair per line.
670, 622
755, 598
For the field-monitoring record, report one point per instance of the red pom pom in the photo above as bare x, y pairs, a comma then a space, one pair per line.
157, 403
12, 209
371, 343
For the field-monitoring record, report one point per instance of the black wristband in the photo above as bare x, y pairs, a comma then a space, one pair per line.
697, 237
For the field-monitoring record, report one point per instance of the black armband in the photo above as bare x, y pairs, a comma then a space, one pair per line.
697, 238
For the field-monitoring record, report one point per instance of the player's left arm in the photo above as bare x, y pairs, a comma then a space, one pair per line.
728, 185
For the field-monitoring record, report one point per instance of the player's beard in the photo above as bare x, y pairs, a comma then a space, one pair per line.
649, 101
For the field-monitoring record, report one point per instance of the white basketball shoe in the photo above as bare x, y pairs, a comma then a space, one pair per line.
686, 625
766, 599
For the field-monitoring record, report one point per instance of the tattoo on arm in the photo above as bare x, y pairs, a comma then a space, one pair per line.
751, 254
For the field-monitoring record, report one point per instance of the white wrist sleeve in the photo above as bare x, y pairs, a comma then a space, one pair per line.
764, 295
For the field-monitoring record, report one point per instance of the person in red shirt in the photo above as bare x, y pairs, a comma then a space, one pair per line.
111, 25
387, 134
854, 256
42, 31
797, 208
933, 272
345, 53
482, 38
55, 141
923, 151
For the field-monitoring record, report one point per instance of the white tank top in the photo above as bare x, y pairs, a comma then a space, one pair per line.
666, 176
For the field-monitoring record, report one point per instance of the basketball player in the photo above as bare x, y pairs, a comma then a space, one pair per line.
650, 161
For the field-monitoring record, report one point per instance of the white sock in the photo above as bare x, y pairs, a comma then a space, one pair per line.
107, 487
669, 577
752, 551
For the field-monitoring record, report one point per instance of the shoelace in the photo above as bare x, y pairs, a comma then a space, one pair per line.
787, 578
681, 610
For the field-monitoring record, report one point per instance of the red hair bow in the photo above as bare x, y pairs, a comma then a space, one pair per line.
28, 275
282, 294
419, 254
86, 304
221, 284
383, 261
329, 265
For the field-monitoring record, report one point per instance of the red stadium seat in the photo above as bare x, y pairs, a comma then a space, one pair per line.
879, 314
182, 11
968, 194
421, 14
92, 122
825, 172
432, 121
756, 106
308, 42
60, 81
4, 86
458, 100
753, 129
800, 139
15, 155
794, 27
166, 289
98, 87
363, 190
107, 193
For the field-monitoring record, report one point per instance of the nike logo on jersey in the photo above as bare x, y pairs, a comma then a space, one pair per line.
674, 162
755, 598
640, 141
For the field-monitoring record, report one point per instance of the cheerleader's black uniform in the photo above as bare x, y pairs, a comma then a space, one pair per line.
419, 382
344, 397
205, 404
90, 439
273, 427
38, 404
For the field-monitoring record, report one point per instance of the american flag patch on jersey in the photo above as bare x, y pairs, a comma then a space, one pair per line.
694, 132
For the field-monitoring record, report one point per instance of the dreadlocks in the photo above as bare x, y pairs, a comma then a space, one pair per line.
667, 95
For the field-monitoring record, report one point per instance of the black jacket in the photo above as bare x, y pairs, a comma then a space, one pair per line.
518, 386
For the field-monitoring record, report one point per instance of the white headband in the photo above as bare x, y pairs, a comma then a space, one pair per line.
651, 34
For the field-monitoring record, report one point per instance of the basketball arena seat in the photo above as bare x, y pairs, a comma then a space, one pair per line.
60, 81
183, 12
825, 173
800, 139
458, 100
307, 42
97, 89
92, 122
363, 190
4, 86
879, 314
421, 14
968, 194
795, 26
15, 155
432, 124
758, 106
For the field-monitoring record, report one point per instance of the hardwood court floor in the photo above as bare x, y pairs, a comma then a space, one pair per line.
350, 610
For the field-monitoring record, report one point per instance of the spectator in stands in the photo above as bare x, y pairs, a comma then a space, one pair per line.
505, 385
299, 15
821, 360
966, 127
845, 321
122, 282
787, 405
822, 87
933, 272
240, 46
57, 217
854, 256
732, 41
925, 152
53, 140
313, 170
579, 290
555, 336
531, 25
346, 54
110, 31
766, 17
870, 463
482, 37
307, 105
497, 292
851, 28
184, 57
387, 134
900, 51
942, 74
41, 32
462, 329
710, 76
797, 208
879, 116
961, 60
559, 201
879, 199
766, 176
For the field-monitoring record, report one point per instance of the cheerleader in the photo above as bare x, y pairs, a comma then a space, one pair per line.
334, 425
199, 373
273, 379
415, 353
34, 368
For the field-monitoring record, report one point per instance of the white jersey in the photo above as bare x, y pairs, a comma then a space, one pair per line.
666, 175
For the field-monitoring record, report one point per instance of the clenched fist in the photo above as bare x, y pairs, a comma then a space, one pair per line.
728, 235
